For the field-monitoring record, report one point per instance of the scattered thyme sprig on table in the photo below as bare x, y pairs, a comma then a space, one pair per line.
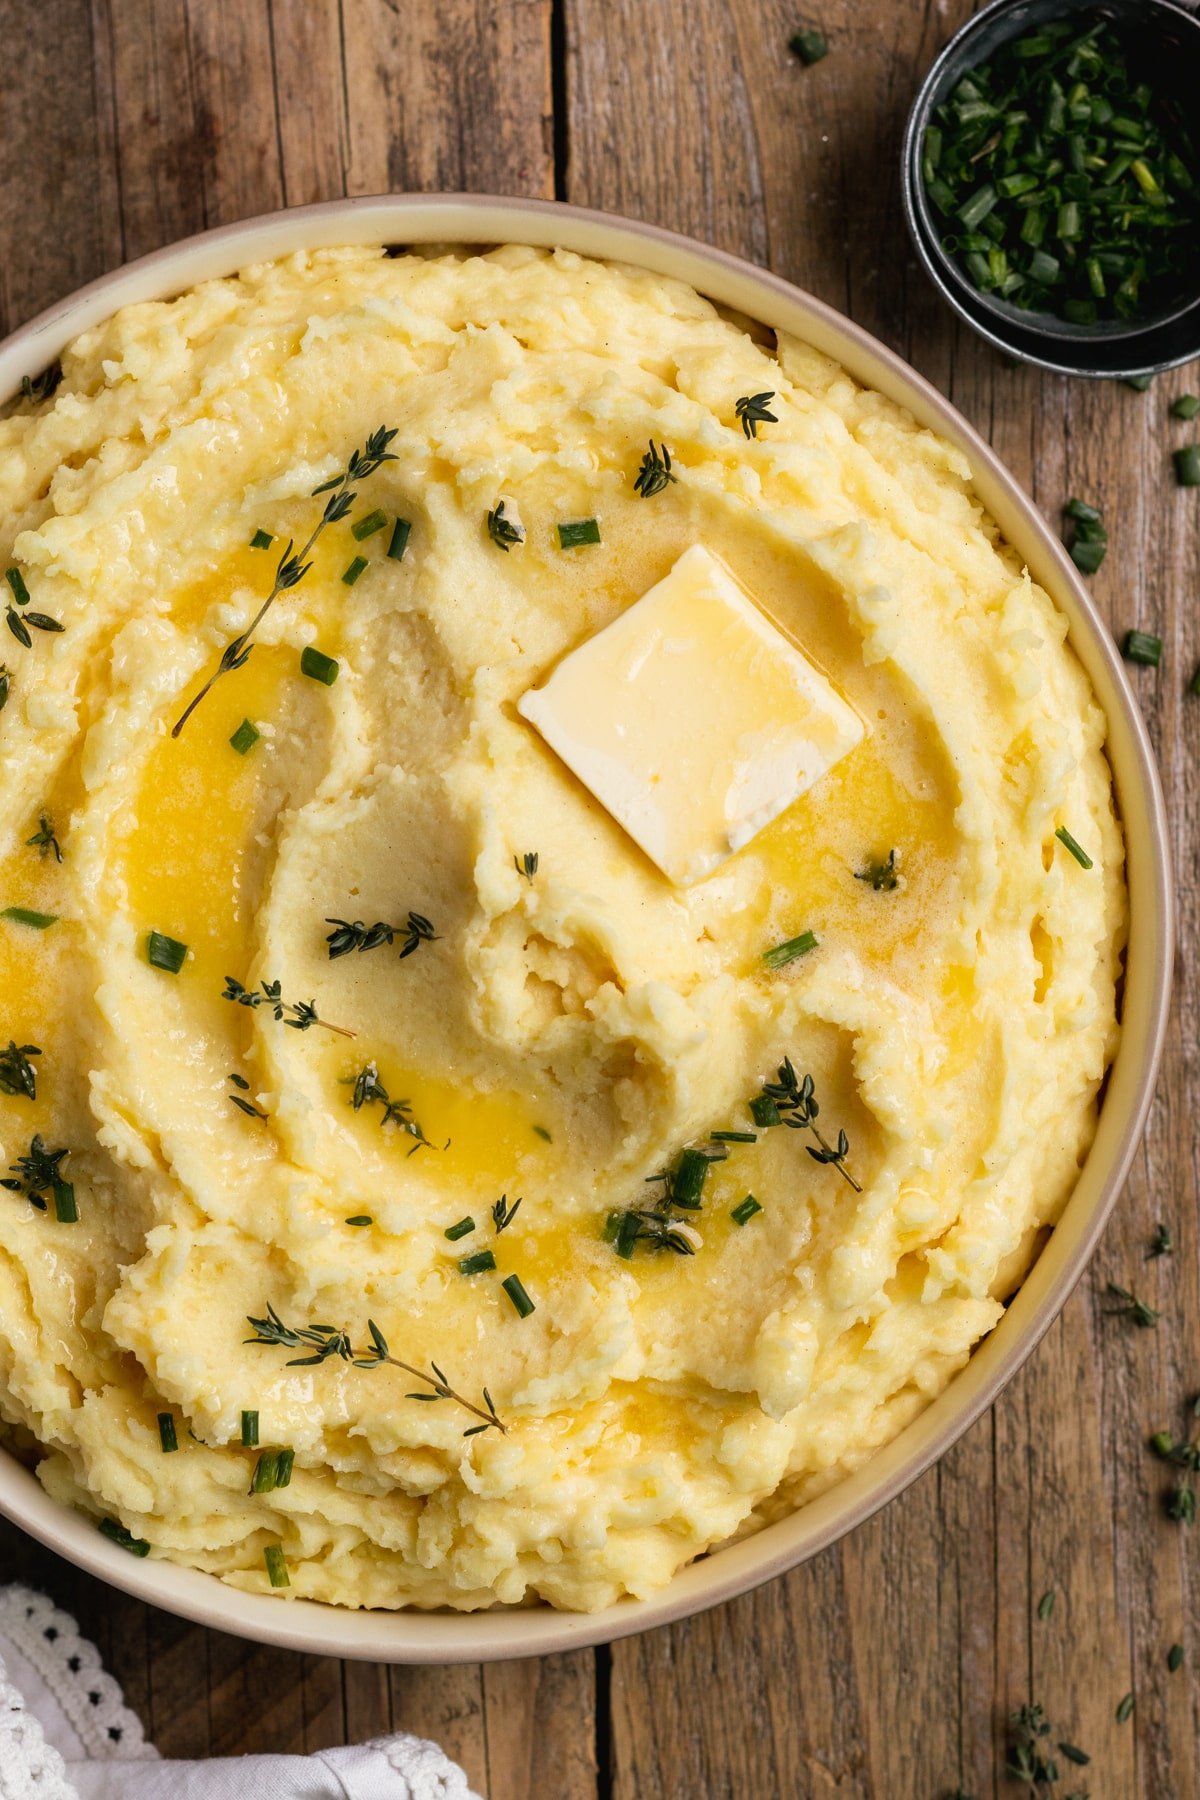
1031, 1755
655, 472
44, 839
798, 1108
1160, 1243
323, 1341
17, 1074
303, 1012
1184, 1454
347, 936
369, 1090
1130, 1307
751, 409
292, 567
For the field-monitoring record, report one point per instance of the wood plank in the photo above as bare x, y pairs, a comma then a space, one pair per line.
920, 1633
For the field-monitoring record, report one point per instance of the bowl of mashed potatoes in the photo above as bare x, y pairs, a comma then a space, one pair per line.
584, 927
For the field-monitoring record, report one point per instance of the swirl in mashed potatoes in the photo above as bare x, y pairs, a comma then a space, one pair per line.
570, 1027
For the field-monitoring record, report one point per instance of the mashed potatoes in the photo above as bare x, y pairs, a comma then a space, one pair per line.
566, 1023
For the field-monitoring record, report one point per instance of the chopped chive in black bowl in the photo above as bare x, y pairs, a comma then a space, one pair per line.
1064, 180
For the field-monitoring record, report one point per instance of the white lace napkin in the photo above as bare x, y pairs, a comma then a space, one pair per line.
66, 1734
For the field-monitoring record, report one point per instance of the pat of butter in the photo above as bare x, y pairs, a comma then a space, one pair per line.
692, 719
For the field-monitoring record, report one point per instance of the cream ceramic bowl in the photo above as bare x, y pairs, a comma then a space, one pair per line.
445, 1637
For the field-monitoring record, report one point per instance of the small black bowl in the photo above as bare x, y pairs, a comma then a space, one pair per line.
1168, 39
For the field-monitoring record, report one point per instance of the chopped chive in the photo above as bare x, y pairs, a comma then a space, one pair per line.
272, 1470
65, 1209
578, 531
351, 574
764, 1112
166, 1432
16, 582
1187, 466
734, 1137
787, 952
1087, 554
164, 952
398, 543
249, 1430
461, 1230
24, 915
540, 1131
1140, 647
118, 1535
810, 46
745, 1210
1124, 1709
360, 1219
317, 666
1186, 407
1068, 842
628, 1226
1139, 383
365, 528
286, 1459
1046, 1604
1194, 683
477, 1263
687, 1183
262, 540
277, 1569
516, 1293
244, 738
1175, 1657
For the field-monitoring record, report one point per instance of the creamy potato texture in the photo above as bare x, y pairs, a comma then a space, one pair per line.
573, 1025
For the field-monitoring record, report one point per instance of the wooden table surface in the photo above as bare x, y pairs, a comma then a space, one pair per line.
884, 1668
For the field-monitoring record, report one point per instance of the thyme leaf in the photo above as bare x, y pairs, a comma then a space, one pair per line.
320, 1342
239, 1100
503, 1214
40, 1173
751, 409
292, 566
17, 1073
881, 875
503, 531
527, 865
655, 472
303, 1013
44, 838
369, 1090
797, 1106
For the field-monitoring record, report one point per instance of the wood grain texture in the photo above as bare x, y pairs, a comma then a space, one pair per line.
883, 1670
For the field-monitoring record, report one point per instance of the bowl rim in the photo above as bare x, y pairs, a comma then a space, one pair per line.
987, 317
413, 1636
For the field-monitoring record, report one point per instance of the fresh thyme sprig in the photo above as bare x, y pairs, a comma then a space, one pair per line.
503, 1214
1130, 1307
303, 1012
44, 838
17, 1073
324, 1341
243, 1105
527, 865
1031, 1755
347, 936
655, 472
797, 1106
751, 409
292, 567
369, 1090
40, 1173
39, 387
503, 531
881, 875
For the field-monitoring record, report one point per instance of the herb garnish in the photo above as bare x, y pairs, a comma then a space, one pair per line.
324, 1341
293, 568
638, 1225
1141, 647
477, 1263
272, 1470
1160, 1243
40, 387
881, 875
1124, 1709
17, 1073
117, 1533
40, 1173
45, 839
464, 1228
245, 738
515, 1290
249, 1429
167, 1435
243, 1105
347, 936
276, 1566
351, 574
1089, 539
367, 527
5, 685
25, 915
317, 666
369, 1089
163, 952
1186, 407
655, 472
503, 531
751, 409
262, 540
810, 46
1185, 1455
745, 1210
573, 534
1187, 467
503, 1214
1130, 1307
1045, 1605
304, 1012
1031, 1756
782, 954
1077, 851
19, 622
398, 542
527, 865
1175, 1658
797, 1106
